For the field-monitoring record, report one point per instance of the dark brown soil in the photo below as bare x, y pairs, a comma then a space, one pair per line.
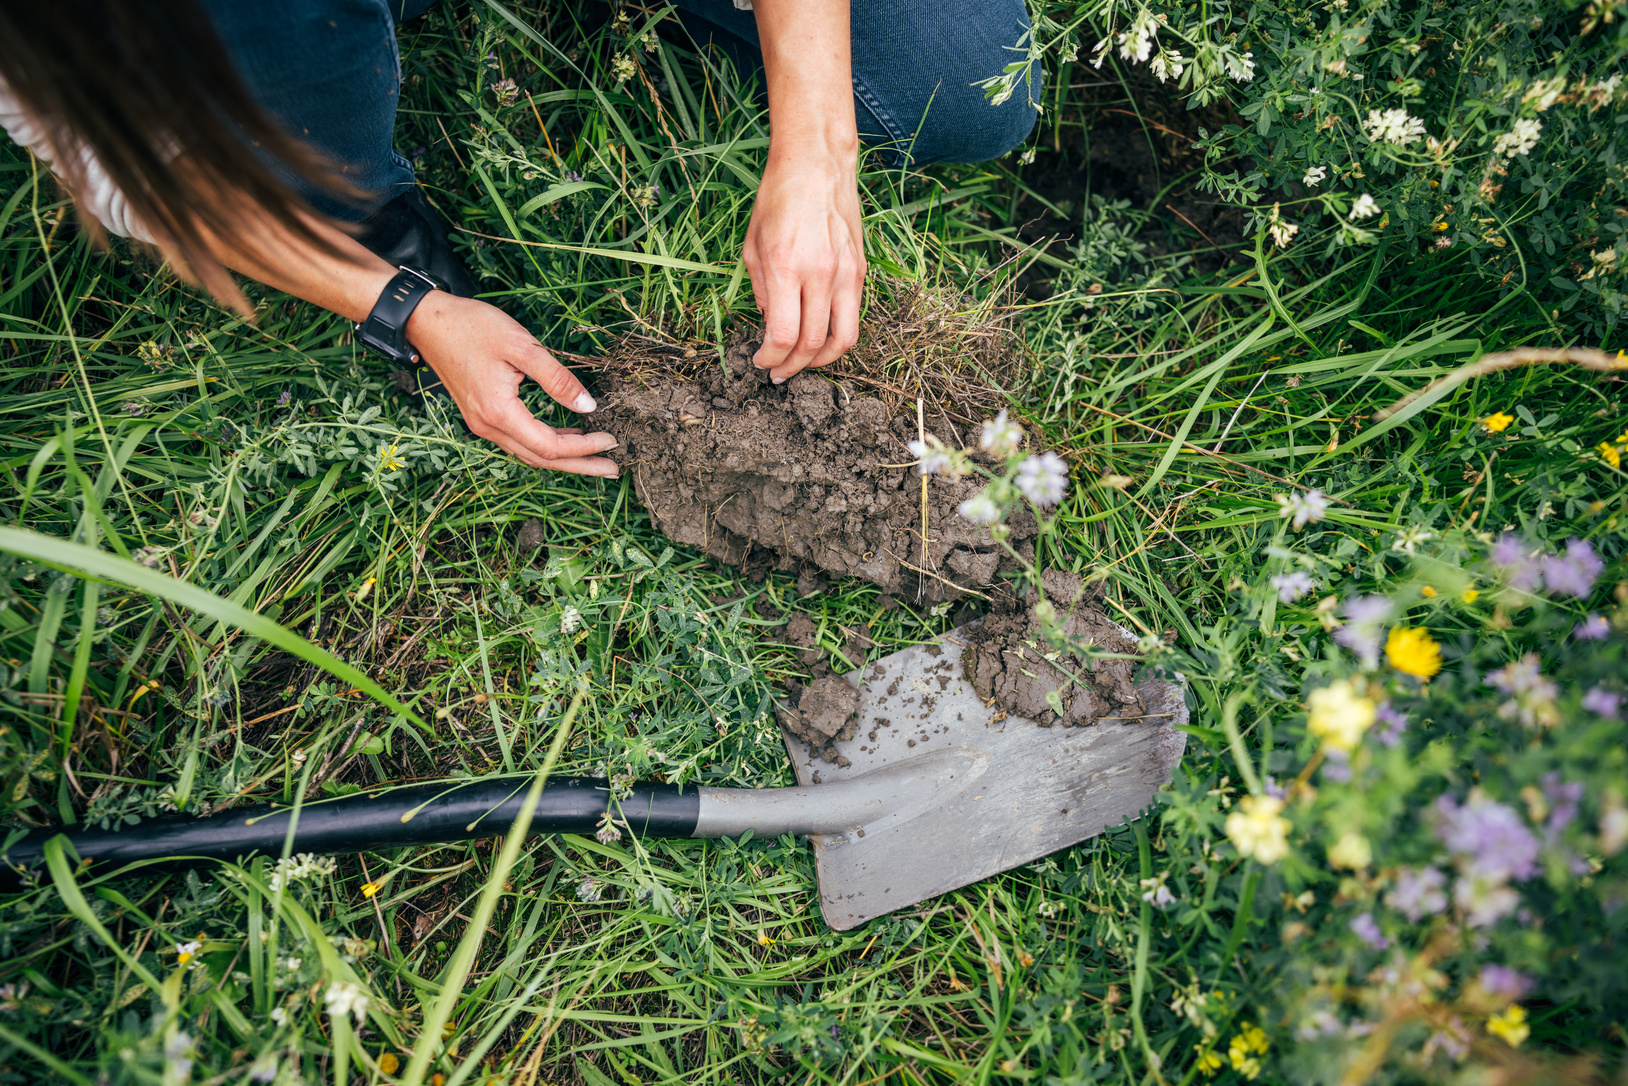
810, 477
824, 712
1005, 660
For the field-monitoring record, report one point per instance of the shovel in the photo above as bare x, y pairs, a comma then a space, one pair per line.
939, 792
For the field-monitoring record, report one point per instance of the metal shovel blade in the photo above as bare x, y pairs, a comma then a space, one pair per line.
1028, 790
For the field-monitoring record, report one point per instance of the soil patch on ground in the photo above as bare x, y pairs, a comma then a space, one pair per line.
1005, 660
813, 476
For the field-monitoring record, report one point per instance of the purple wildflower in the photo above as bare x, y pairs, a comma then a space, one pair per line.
1602, 702
1574, 574
1593, 628
1043, 479
1274, 788
1512, 556
1418, 893
1291, 586
1564, 798
1532, 697
1489, 836
1501, 980
1366, 928
1337, 766
283, 398
573, 176
1394, 724
1364, 622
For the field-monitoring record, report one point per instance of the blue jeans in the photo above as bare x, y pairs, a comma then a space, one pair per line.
329, 70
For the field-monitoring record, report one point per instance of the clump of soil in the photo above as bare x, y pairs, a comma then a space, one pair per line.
825, 712
812, 476
1005, 660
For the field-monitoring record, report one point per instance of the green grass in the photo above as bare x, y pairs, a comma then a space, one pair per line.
143, 421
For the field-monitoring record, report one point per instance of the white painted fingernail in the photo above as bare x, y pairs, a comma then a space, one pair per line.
585, 404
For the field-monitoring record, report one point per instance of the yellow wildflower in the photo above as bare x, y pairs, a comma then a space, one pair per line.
1257, 828
1412, 650
1252, 1039
389, 461
1338, 715
763, 939
1427, 592
1511, 1025
1470, 595
1351, 850
371, 888
1497, 423
1208, 1061
1610, 454
388, 1063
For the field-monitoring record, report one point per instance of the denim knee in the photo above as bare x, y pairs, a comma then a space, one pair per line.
917, 70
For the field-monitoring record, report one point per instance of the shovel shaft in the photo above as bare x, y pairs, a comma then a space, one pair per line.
423, 814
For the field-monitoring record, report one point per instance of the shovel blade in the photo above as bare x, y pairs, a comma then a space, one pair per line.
1042, 789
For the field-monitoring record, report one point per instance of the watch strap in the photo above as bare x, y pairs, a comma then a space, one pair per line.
385, 329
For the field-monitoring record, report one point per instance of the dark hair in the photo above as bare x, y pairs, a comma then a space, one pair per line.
148, 87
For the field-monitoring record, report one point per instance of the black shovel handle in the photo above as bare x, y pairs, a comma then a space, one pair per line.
420, 814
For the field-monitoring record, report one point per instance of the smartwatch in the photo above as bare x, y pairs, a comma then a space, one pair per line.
385, 329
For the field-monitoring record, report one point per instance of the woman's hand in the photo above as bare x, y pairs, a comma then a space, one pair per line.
481, 355
805, 248
805, 253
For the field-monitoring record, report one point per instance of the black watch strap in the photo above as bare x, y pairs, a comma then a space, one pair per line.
385, 329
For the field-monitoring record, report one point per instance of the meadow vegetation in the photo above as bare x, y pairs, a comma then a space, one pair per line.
1240, 243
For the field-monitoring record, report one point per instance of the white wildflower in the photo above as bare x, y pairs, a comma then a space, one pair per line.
1520, 139
1168, 64
279, 1016
1043, 479
1028, 155
570, 619
1544, 93
1281, 230
1604, 262
1409, 539
622, 67
1099, 52
1241, 66
1366, 207
1396, 126
980, 508
299, 868
934, 458
344, 998
1314, 176
1303, 509
588, 890
1000, 436
1136, 44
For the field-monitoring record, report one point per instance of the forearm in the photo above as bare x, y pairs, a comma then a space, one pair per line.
810, 75
346, 279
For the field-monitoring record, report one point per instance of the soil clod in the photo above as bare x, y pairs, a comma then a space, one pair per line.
826, 712
1005, 660
813, 476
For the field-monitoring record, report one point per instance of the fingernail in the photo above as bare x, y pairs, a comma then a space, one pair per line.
777, 380
584, 404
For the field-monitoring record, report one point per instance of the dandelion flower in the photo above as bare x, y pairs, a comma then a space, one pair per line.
1497, 422
1258, 829
1411, 650
388, 1063
1610, 454
1338, 715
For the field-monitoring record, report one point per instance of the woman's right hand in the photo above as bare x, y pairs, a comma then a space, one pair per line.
481, 355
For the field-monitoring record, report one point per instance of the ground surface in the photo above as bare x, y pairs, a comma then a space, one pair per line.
274, 466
